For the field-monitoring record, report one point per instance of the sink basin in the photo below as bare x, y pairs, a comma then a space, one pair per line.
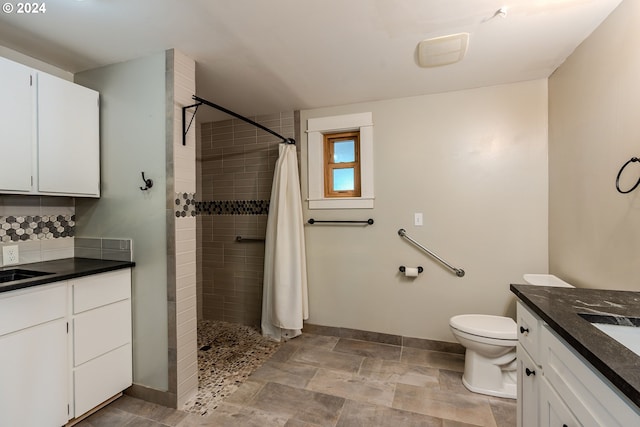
625, 330
19, 274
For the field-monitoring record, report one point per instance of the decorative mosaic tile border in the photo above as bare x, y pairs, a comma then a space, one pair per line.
185, 205
233, 207
36, 227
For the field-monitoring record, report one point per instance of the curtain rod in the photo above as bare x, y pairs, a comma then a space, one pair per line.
200, 101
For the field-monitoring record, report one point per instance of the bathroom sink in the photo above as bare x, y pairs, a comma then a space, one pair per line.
625, 330
19, 274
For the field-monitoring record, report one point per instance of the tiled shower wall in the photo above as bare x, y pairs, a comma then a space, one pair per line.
237, 162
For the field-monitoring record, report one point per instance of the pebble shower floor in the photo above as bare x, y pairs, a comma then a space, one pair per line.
227, 354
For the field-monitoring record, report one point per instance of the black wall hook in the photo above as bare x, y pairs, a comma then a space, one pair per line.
632, 160
147, 182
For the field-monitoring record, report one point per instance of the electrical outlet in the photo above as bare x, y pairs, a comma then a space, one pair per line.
10, 255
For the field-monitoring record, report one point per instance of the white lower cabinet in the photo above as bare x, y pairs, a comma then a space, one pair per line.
553, 411
559, 388
33, 357
64, 348
101, 331
529, 375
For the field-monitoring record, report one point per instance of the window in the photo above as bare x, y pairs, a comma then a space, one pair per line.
347, 170
342, 164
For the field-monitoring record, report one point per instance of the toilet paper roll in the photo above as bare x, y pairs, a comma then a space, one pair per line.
411, 271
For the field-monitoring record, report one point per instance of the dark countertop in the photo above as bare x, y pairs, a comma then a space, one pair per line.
62, 269
559, 307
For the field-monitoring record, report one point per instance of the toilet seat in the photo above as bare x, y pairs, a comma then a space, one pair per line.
485, 325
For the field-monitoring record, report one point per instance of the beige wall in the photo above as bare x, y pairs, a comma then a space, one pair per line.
594, 128
474, 163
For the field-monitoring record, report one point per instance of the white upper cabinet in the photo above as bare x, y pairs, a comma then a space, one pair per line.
16, 125
49, 134
68, 139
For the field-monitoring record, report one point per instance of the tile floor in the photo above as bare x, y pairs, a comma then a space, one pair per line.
317, 380
227, 354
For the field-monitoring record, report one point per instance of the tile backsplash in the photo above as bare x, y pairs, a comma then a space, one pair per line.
98, 248
36, 227
42, 227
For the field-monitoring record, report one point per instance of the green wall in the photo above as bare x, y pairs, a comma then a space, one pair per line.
133, 139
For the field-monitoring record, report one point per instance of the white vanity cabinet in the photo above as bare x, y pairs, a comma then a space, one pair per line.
101, 333
529, 367
33, 357
566, 390
49, 134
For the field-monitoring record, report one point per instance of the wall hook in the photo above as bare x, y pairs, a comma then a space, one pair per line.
147, 182
632, 160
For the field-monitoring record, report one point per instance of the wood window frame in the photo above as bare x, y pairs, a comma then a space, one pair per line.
317, 127
330, 139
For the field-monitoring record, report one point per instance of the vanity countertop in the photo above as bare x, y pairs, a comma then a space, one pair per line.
559, 308
62, 269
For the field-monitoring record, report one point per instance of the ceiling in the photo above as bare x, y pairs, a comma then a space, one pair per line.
265, 56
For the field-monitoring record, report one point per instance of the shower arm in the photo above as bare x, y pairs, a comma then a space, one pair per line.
200, 101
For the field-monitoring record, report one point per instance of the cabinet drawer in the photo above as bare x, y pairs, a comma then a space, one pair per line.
529, 331
101, 378
24, 308
594, 401
99, 331
102, 289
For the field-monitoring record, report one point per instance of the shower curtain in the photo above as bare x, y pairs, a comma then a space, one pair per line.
284, 297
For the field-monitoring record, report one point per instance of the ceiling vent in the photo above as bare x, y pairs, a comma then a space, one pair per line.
443, 50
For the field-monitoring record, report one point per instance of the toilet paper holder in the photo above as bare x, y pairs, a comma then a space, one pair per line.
403, 269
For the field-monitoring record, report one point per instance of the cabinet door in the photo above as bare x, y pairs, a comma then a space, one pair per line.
553, 411
16, 126
33, 376
68, 138
528, 389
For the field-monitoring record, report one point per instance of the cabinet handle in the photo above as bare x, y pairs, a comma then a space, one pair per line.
529, 372
523, 330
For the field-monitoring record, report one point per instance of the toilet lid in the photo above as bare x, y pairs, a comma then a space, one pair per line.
485, 325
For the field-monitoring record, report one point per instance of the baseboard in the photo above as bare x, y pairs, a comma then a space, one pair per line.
355, 334
152, 395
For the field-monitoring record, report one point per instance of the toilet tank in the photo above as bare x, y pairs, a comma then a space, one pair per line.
545, 280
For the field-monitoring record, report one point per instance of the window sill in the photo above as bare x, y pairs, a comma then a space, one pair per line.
341, 203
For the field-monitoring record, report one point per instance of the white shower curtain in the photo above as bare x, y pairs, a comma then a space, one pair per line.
284, 297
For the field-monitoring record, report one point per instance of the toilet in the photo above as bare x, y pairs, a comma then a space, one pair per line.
490, 342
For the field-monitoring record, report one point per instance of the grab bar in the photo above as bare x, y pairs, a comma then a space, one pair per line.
315, 221
459, 272
249, 239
